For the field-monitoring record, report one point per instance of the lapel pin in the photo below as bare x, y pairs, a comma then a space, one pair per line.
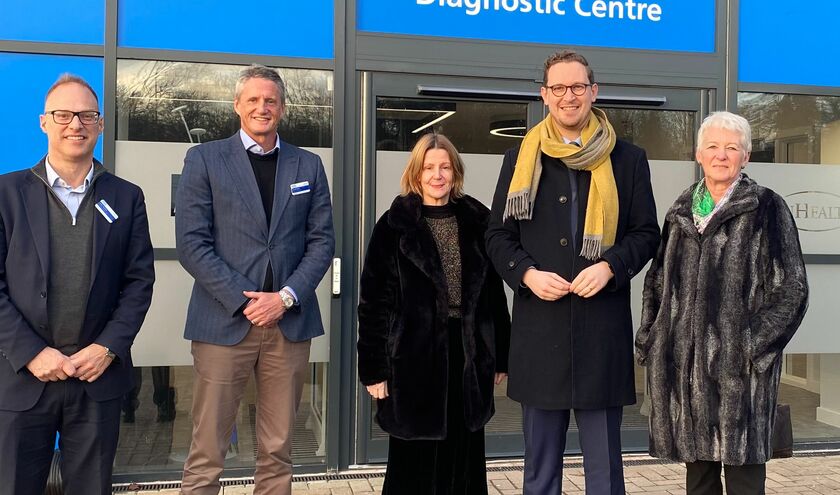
105, 209
300, 188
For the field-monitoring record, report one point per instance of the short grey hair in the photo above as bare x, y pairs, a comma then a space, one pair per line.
260, 72
730, 122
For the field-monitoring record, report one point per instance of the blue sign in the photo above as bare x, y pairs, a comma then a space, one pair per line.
674, 25
25, 79
54, 21
785, 42
288, 28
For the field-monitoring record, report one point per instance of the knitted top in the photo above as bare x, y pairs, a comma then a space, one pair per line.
444, 227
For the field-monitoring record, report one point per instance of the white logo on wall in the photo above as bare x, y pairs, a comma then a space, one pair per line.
815, 211
602, 9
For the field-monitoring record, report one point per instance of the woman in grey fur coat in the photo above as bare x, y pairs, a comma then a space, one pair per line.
724, 295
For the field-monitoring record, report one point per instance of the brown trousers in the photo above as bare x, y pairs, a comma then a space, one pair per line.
221, 376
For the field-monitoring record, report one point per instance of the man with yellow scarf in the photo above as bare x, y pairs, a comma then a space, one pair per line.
573, 220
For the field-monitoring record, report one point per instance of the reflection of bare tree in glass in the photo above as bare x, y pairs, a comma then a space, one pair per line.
777, 117
309, 104
665, 135
148, 91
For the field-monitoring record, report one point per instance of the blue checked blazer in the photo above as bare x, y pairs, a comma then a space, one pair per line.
224, 241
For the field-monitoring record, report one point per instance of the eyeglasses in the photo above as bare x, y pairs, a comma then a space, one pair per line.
64, 117
559, 90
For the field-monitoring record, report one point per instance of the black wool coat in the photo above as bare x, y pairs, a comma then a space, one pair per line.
573, 353
719, 308
403, 318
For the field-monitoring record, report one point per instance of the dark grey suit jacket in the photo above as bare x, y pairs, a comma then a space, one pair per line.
122, 274
224, 241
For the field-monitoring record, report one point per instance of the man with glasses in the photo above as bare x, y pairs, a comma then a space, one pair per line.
76, 275
573, 220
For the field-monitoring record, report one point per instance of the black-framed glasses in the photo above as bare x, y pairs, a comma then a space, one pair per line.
559, 90
64, 117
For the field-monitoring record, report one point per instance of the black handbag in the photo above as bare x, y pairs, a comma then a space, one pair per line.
782, 438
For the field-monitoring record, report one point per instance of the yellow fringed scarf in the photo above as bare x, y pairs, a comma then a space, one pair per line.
598, 141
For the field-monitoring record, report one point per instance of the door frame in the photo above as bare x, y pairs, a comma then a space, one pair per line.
456, 88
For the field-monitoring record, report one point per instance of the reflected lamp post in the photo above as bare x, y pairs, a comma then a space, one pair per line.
180, 111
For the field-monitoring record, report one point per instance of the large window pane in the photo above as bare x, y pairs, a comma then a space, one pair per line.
795, 138
25, 79
664, 134
164, 108
481, 131
156, 427
793, 128
183, 102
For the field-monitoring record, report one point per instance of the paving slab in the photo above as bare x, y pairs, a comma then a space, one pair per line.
642, 475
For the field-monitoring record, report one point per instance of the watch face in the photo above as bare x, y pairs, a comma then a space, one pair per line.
287, 300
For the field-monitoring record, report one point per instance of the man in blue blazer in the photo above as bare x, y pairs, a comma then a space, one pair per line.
254, 228
76, 275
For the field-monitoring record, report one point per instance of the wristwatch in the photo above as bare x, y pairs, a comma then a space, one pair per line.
288, 300
110, 354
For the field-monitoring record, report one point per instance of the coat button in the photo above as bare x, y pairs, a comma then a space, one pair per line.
511, 264
564, 242
42, 327
563, 199
630, 271
43, 294
271, 246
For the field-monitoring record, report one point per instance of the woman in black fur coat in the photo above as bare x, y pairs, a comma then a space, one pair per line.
724, 295
434, 328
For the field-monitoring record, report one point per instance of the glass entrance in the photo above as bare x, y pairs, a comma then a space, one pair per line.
484, 118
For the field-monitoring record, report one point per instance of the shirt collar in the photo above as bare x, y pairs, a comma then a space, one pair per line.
570, 141
53, 179
253, 147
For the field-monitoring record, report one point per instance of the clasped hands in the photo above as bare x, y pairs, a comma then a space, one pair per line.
51, 365
550, 286
264, 309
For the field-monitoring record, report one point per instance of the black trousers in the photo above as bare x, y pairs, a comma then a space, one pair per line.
703, 477
89, 433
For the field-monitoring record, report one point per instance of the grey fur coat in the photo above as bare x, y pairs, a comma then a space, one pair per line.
719, 309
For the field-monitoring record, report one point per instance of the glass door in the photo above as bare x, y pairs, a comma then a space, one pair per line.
484, 118
664, 122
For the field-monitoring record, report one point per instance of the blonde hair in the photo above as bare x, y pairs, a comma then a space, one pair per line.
410, 180
68, 78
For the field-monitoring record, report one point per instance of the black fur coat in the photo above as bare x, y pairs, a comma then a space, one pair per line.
403, 317
719, 309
